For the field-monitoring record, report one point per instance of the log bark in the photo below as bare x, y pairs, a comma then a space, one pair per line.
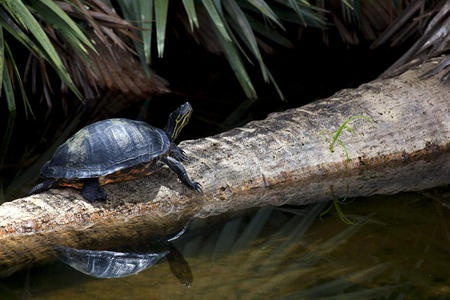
279, 160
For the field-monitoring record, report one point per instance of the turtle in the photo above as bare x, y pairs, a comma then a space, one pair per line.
115, 150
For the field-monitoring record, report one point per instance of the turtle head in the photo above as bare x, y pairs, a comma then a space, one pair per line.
177, 120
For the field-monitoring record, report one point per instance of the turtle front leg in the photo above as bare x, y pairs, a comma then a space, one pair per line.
177, 153
92, 191
178, 168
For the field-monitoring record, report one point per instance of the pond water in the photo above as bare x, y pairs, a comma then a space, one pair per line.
398, 248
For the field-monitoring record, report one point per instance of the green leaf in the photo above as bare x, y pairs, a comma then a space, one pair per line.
294, 5
306, 3
140, 13
269, 33
265, 9
245, 31
68, 34
161, 7
146, 15
19, 11
192, 15
217, 20
303, 15
277, 88
9, 24
344, 125
66, 23
236, 64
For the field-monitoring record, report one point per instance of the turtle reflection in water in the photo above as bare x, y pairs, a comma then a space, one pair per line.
109, 264
115, 150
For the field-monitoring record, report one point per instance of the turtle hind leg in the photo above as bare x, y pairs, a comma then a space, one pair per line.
92, 191
178, 168
42, 187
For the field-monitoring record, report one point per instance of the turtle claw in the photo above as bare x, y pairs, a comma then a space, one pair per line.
197, 187
178, 153
176, 166
181, 156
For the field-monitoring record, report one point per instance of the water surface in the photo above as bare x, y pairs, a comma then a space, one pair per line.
399, 248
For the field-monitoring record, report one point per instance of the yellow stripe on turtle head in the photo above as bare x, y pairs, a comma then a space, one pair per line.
180, 122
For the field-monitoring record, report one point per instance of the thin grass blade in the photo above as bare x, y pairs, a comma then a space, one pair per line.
277, 88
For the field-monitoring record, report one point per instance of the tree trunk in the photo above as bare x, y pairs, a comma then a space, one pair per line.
279, 160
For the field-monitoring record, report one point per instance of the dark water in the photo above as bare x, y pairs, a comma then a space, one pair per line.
398, 248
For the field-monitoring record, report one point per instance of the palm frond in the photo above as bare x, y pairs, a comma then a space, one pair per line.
266, 10
22, 16
161, 7
213, 10
236, 64
240, 30
434, 41
189, 7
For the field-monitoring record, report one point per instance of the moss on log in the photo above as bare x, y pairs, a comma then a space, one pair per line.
279, 160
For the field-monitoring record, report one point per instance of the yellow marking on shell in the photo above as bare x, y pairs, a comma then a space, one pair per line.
137, 135
75, 147
121, 136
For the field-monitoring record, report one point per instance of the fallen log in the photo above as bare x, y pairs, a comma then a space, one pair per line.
282, 159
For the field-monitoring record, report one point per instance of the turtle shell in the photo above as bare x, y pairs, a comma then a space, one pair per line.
106, 147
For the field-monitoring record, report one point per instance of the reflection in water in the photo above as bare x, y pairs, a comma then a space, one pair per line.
110, 264
179, 266
399, 248
107, 264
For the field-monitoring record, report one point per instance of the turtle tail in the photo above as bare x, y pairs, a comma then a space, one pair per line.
42, 187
